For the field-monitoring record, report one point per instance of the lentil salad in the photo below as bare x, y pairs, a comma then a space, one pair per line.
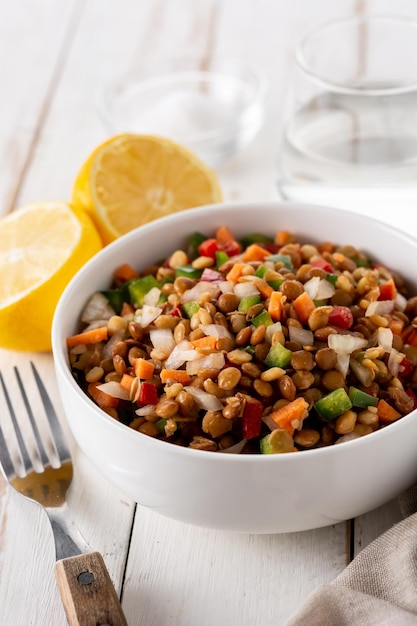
263, 345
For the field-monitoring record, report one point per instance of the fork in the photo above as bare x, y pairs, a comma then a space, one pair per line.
87, 593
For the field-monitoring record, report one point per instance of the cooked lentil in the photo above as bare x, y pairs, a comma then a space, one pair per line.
243, 354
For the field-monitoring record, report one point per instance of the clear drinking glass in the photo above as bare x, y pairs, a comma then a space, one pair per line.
350, 127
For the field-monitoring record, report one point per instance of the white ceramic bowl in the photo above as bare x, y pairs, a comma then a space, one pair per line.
248, 493
214, 112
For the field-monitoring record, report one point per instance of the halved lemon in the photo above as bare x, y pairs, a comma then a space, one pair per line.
133, 179
42, 246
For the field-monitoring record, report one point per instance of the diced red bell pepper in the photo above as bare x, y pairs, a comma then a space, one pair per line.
231, 247
406, 367
409, 336
387, 291
323, 264
273, 248
209, 247
175, 312
148, 394
252, 420
412, 395
341, 317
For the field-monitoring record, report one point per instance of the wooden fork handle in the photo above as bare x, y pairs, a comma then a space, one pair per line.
87, 591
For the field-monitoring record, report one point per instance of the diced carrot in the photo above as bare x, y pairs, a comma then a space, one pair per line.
396, 325
143, 369
90, 336
262, 286
205, 343
104, 400
224, 234
179, 376
303, 306
254, 252
127, 309
124, 273
276, 306
236, 272
283, 237
291, 415
126, 381
386, 413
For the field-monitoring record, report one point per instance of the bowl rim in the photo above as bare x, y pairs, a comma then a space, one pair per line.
59, 349
255, 76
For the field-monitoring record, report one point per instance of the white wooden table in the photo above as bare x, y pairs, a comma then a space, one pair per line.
53, 56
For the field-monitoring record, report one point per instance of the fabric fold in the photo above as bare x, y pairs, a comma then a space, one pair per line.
378, 588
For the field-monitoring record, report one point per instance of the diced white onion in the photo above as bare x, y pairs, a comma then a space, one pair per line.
236, 448
148, 409
162, 339
214, 360
216, 330
325, 290
151, 298
204, 400
400, 302
380, 307
114, 389
394, 361
346, 344
245, 290
267, 419
184, 351
301, 335
276, 327
385, 337
362, 373
342, 364
147, 315
226, 286
95, 324
97, 308
347, 437
311, 287
203, 286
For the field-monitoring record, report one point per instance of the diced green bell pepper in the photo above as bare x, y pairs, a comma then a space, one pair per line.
139, 287
247, 302
285, 259
116, 298
189, 308
334, 404
260, 271
255, 238
221, 258
189, 271
194, 240
332, 278
361, 399
278, 356
262, 319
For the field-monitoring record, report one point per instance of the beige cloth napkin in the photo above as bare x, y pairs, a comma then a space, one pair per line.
378, 588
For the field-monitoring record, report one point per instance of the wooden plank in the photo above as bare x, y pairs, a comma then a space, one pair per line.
34, 37
180, 574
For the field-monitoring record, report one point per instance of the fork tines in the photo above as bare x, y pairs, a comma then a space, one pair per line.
15, 458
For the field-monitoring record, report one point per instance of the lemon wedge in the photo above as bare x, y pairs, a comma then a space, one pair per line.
41, 248
133, 179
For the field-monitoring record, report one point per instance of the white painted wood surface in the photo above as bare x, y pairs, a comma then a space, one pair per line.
54, 57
